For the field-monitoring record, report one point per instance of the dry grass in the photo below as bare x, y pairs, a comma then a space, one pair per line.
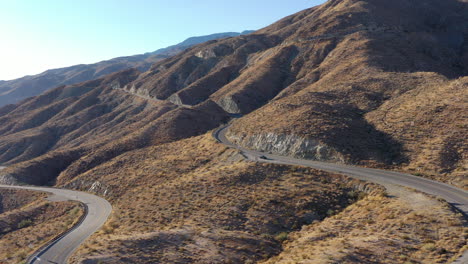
376, 88
11, 199
371, 117
380, 229
430, 121
348, 74
32, 224
193, 200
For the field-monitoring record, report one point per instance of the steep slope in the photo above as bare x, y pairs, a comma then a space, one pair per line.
194, 201
370, 82
350, 76
27, 220
16, 90
330, 76
75, 128
201, 204
323, 72
431, 121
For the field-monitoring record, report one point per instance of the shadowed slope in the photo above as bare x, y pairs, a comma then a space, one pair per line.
13, 91
326, 76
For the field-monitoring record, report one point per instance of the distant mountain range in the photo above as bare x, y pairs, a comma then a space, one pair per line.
16, 90
194, 41
375, 83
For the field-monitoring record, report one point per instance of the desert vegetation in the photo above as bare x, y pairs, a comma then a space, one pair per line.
373, 83
28, 221
204, 204
346, 77
410, 228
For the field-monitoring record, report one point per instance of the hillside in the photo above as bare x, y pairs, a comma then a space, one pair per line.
13, 91
71, 129
27, 220
196, 201
347, 81
369, 82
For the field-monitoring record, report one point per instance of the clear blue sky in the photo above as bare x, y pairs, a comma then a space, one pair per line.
44, 34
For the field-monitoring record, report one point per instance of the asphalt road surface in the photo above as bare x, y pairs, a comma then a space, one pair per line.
455, 196
98, 210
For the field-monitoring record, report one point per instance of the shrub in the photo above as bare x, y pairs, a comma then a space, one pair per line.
24, 223
429, 247
281, 236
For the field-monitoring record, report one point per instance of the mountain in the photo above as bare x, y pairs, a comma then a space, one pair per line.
374, 83
348, 81
16, 90
174, 49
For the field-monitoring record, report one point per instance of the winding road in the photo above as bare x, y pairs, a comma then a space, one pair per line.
59, 250
453, 195
98, 209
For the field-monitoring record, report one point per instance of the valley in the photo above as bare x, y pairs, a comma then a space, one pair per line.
334, 135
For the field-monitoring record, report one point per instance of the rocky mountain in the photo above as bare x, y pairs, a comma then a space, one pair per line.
350, 81
370, 82
174, 49
16, 90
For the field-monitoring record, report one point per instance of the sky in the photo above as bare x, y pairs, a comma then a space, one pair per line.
46, 34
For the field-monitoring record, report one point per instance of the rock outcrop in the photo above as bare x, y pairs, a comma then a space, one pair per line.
16, 90
326, 83
289, 145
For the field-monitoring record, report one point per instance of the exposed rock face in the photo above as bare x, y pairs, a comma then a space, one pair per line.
99, 188
202, 70
69, 130
229, 104
16, 90
289, 145
206, 54
8, 179
326, 83
201, 89
373, 82
256, 85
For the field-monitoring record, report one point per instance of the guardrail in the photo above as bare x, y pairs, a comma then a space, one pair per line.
38, 252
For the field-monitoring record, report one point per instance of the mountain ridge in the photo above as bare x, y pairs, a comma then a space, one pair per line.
12, 91
324, 92
372, 83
